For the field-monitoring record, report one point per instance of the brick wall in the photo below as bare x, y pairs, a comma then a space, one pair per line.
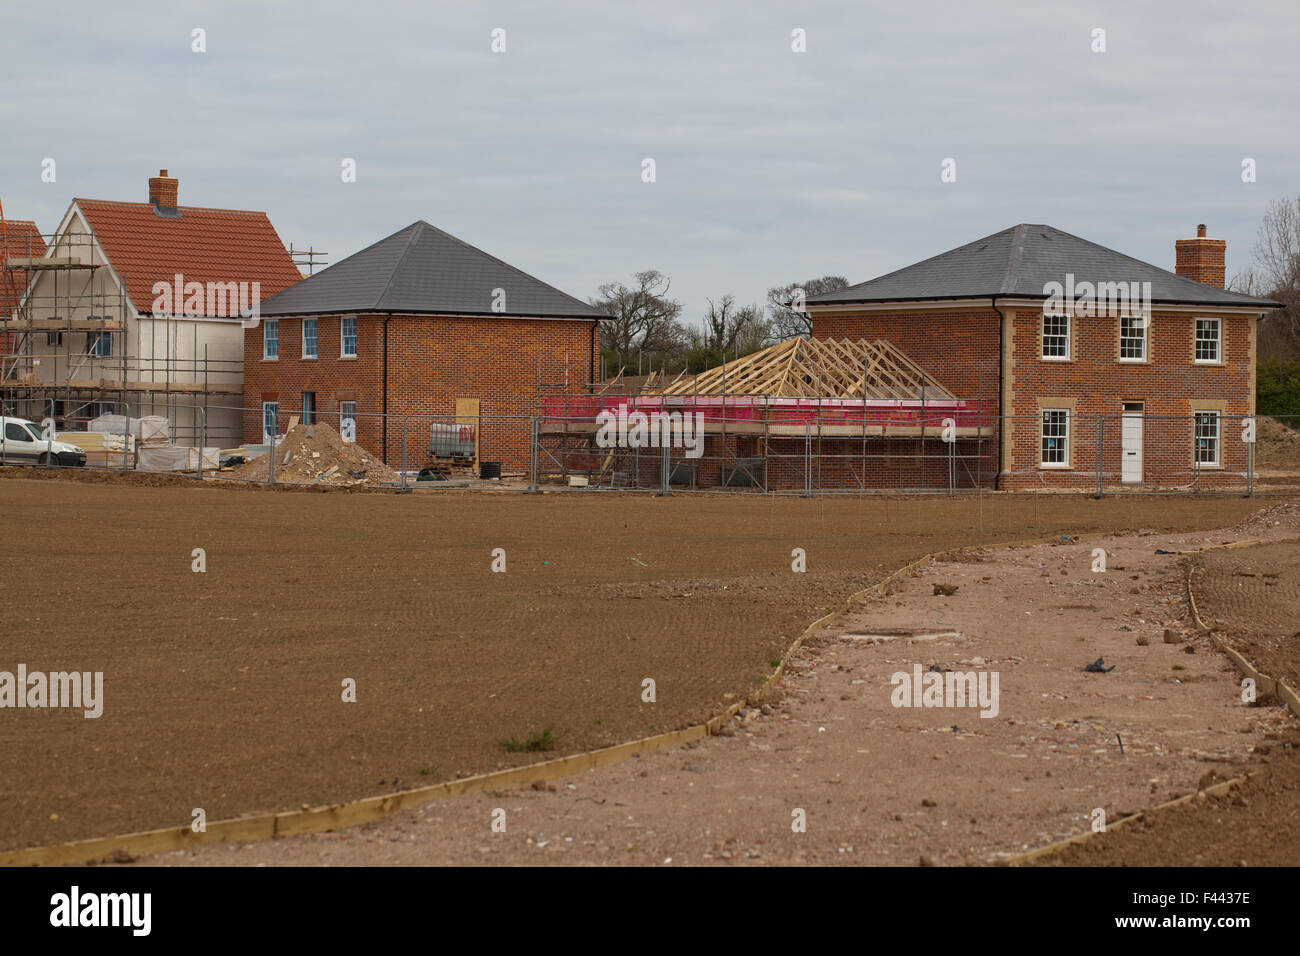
961, 350
1170, 386
432, 361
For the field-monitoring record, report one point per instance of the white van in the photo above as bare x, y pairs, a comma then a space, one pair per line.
21, 444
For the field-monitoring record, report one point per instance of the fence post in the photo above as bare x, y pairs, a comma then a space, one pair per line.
49, 436
664, 481
807, 460
952, 450
1101, 454
203, 439
405, 489
126, 436
1250, 464
532, 461
270, 436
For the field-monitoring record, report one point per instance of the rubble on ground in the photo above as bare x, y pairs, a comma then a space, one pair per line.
317, 454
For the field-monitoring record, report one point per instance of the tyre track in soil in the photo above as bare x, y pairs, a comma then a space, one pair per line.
222, 689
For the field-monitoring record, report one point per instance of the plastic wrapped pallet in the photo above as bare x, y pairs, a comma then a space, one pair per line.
177, 458
151, 430
164, 458
211, 458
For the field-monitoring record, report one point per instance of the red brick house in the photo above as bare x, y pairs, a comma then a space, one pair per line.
1078, 353
418, 324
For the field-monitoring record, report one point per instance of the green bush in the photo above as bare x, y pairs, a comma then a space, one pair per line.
1277, 388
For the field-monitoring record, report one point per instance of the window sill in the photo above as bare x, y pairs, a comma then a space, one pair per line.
310, 358
270, 358
1207, 467
1043, 467
1125, 361
1056, 358
1202, 363
347, 358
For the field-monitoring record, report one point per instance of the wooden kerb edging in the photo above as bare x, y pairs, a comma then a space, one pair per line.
317, 819
1263, 684
1218, 790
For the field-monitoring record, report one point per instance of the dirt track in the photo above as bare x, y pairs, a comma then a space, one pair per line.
223, 689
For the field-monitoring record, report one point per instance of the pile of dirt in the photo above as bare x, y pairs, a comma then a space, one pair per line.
1285, 515
318, 454
1277, 446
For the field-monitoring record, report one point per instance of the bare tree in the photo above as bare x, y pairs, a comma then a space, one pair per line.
644, 318
1275, 274
788, 320
728, 328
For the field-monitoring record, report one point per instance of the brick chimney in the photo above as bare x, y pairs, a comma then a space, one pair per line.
163, 190
1200, 258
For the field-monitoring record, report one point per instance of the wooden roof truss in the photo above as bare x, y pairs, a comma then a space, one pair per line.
818, 368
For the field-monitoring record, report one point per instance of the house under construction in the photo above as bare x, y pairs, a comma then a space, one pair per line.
807, 414
89, 332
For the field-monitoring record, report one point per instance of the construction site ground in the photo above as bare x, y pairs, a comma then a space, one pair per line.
882, 785
222, 689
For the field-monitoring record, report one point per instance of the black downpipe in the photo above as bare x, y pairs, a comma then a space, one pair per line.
385, 398
997, 479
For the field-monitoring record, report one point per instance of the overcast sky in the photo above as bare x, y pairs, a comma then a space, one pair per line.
771, 166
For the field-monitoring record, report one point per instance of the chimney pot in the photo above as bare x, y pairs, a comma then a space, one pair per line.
1200, 230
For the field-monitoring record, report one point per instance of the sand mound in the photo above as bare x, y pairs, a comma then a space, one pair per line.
318, 454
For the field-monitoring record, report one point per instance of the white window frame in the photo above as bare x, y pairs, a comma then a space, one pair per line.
348, 410
1042, 343
1197, 340
315, 339
1217, 438
268, 438
1145, 326
1043, 436
343, 338
270, 331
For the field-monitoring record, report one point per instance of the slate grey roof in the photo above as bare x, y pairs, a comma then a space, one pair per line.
1018, 262
422, 269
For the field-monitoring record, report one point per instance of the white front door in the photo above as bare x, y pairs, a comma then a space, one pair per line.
1131, 433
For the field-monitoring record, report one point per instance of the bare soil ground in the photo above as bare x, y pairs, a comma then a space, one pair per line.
222, 689
1253, 597
886, 785
1277, 448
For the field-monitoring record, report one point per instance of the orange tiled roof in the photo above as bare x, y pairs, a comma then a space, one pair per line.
204, 245
21, 239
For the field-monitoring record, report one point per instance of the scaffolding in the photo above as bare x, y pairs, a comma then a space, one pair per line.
68, 352
805, 415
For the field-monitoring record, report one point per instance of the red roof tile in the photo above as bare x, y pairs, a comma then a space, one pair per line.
21, 239
203, 245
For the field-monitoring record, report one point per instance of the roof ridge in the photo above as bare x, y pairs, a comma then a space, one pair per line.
512, 268
124, 202
1141, 262
1014, 258
416, 228
921, 262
